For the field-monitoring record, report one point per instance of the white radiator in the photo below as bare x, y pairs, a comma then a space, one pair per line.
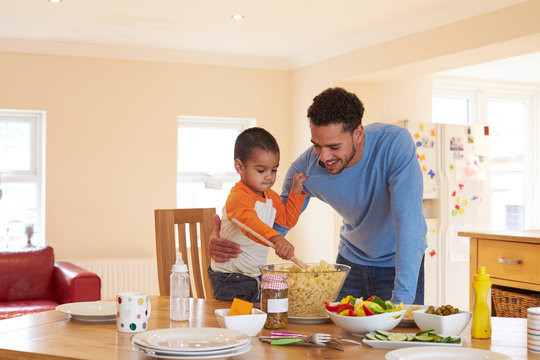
120, 275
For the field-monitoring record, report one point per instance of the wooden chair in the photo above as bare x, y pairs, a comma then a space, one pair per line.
171, 238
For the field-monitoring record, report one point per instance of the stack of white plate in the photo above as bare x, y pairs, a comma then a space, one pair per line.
192, 343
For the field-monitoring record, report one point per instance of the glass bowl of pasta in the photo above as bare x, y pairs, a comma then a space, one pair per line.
310, 288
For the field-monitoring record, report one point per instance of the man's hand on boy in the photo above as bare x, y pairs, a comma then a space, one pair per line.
282, 247
221, 250
298, 182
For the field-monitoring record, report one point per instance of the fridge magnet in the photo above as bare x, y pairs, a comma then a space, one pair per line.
456, 144
421, 127
470, 168
431, 173
424, 168
470, 139
425, 142
421, 157
433, 132
451, 167
416, 135
432, 253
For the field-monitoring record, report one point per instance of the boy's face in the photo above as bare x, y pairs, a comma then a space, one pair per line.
336, 148
259, 171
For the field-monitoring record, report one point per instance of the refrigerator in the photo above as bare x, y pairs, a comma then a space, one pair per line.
455, 165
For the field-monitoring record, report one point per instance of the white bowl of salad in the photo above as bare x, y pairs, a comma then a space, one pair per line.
359, 316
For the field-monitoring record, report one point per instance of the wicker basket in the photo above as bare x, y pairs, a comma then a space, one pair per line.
510, 303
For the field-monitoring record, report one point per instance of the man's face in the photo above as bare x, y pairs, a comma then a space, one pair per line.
336, 148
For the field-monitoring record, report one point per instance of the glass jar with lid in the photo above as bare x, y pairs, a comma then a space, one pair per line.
275, 300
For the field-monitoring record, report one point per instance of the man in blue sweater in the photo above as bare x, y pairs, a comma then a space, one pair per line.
371, 177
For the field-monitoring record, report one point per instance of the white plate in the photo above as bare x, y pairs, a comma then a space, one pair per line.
308, 320
190, 353
191, 339
90, 310
196, 355
430, 353
385, 344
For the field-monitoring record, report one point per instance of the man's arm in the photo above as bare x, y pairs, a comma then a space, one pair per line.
221, 250
406, 191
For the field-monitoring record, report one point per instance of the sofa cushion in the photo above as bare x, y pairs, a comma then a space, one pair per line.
27, 274
23, 307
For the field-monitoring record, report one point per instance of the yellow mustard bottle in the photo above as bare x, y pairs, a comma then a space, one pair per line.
481, 318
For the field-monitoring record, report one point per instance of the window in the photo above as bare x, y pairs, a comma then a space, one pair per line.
205, 160
21, 178
509, 113
508, 121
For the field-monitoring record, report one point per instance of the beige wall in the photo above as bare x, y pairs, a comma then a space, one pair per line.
111, 138
111, 124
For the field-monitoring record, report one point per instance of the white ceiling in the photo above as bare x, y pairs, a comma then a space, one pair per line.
278, 34
524, 68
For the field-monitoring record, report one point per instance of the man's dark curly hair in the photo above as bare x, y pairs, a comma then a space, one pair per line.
252, 138
334, 106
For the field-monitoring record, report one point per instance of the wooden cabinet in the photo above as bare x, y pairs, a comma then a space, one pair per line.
512, 258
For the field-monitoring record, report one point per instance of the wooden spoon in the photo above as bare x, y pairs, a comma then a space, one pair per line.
267, 242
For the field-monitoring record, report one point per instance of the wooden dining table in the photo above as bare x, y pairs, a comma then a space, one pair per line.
54, 335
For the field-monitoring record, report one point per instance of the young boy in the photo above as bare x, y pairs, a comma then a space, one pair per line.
253, 203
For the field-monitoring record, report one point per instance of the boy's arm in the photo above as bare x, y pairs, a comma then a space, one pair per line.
241, 207
287, 185
287, 213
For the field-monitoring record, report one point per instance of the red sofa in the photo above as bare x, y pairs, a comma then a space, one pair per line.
31, 281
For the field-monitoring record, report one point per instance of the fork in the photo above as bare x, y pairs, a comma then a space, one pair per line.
320, 338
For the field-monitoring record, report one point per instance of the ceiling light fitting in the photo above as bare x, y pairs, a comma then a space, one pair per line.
238, 17
55, 1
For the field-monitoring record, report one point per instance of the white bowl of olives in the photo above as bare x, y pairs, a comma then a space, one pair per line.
445, 320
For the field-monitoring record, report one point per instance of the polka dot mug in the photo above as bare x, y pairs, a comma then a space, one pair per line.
133, 311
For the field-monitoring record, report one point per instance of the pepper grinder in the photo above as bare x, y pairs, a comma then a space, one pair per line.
29, 231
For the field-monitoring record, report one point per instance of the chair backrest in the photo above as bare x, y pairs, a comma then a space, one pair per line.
171, 238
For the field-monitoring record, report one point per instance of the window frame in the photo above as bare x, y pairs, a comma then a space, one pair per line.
36, 173
209, 179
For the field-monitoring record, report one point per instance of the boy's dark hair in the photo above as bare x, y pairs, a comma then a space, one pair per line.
252, 138
334, 106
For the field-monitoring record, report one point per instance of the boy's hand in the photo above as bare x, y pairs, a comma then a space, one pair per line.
298, 182
282, 247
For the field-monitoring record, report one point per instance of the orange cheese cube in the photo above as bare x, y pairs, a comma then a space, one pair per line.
240, 307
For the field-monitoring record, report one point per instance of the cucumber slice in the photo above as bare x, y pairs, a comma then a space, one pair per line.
383, 333
425, 332
423, 338
397, 337
370, 337
381, 337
